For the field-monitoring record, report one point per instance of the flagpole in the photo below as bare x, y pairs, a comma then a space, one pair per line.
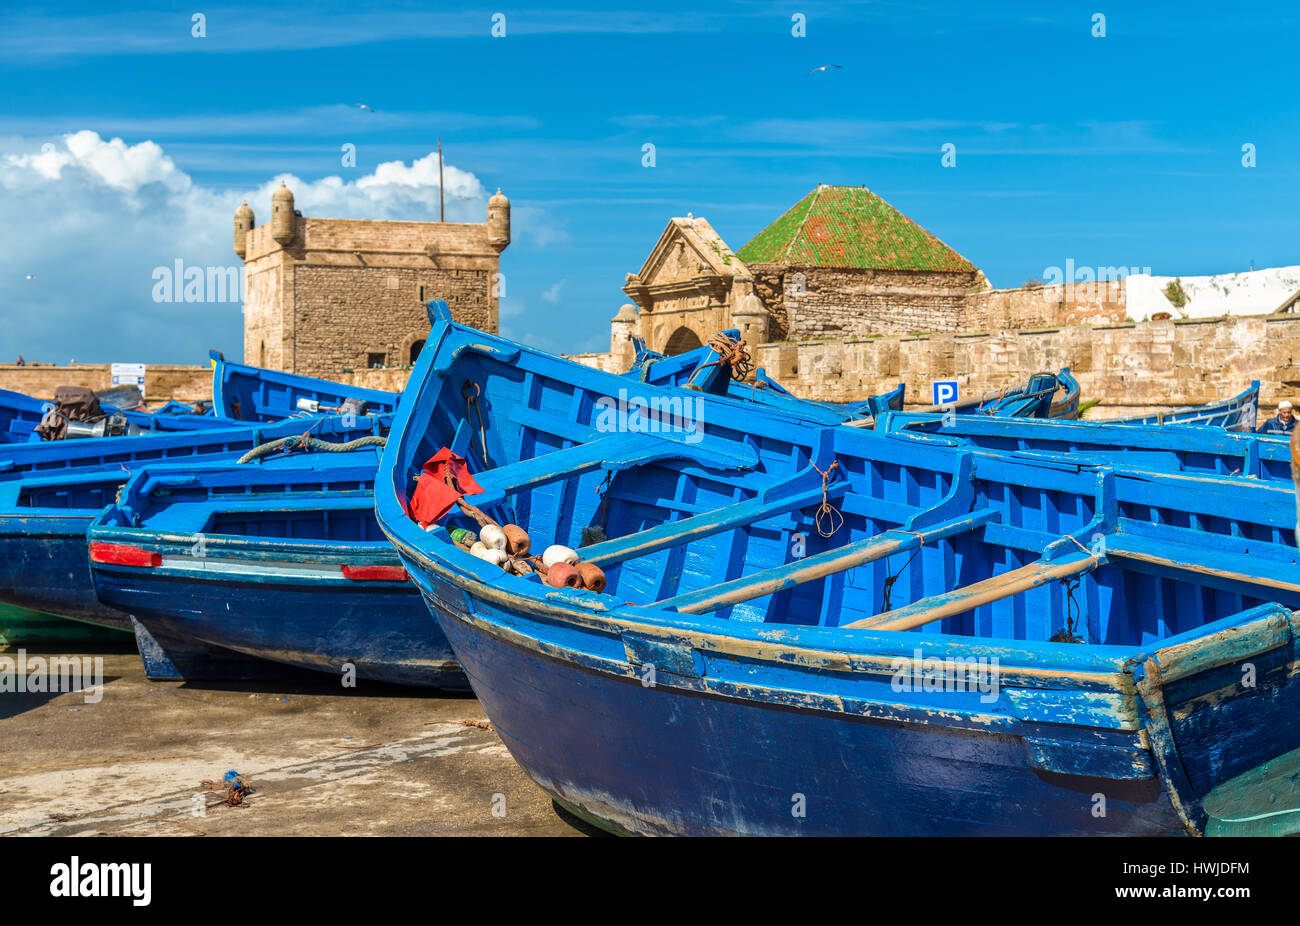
442, 200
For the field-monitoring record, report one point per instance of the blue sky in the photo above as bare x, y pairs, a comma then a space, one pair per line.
1117, 151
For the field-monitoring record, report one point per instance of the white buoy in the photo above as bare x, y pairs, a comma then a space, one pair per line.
488, 554
556, 553
492, 537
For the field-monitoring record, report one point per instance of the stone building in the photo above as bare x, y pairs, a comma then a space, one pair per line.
841, 262
685, 292
327, 295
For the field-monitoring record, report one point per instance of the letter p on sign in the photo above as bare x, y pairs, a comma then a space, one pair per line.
945, 391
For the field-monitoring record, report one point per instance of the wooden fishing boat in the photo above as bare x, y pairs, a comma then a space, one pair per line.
174, 407
248, 393
1066, 405
236, 571
20, 414
721, 369
1238, 413
982, 645
1186, 449
50, 492
1036, 399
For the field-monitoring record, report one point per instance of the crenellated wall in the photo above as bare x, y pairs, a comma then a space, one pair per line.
183, 382
1131, 367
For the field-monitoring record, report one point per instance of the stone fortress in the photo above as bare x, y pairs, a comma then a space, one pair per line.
843, 296
326, 297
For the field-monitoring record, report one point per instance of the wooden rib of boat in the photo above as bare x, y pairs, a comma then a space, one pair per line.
1187, 448
236, 571
983, 644
248, 393
50, 492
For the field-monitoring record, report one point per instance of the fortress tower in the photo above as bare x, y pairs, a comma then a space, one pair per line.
327, 295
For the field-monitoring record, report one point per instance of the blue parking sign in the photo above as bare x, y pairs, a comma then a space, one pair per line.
945, 391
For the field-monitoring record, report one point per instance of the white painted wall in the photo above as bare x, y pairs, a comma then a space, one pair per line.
1254, 292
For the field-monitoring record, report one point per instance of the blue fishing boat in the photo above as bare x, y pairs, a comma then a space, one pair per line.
873, 406
175, 407
1238, 413
50, 492
235, 571
1036, 399
1065, 405
1183, 449
20, 414
723, 364
783, 628
247, 393
721, 367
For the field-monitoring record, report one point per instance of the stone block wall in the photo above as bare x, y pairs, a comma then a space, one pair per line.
813, 303
183, 382
1131, 368
343, 314
1045, 306
343, 293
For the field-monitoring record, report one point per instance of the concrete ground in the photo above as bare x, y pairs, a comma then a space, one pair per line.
323, 760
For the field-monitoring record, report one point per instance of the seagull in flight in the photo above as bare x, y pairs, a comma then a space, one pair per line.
364, 106
31, 276
825, 67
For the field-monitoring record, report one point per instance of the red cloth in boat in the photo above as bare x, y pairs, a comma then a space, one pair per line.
433, 497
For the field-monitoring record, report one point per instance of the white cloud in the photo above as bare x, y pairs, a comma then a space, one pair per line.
552, 293
91, 218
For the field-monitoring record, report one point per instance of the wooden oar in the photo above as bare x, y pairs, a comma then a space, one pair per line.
963, 599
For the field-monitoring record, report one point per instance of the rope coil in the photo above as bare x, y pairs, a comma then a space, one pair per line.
306, 443
732, 354
828, 518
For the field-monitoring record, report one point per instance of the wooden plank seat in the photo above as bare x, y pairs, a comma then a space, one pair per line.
960, 600
1225, 566
777, 578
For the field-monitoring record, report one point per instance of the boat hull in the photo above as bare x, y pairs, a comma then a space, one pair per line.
44, 566
669, 761
209, 627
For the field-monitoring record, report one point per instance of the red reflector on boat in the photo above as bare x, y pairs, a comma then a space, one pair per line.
123, 554
375, 573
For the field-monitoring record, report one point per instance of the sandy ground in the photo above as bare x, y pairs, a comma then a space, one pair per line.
323, 760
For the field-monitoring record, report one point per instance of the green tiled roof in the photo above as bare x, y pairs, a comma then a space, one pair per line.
850, 227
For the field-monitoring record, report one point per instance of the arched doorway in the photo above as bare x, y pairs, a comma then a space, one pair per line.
682, 340
416, 346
